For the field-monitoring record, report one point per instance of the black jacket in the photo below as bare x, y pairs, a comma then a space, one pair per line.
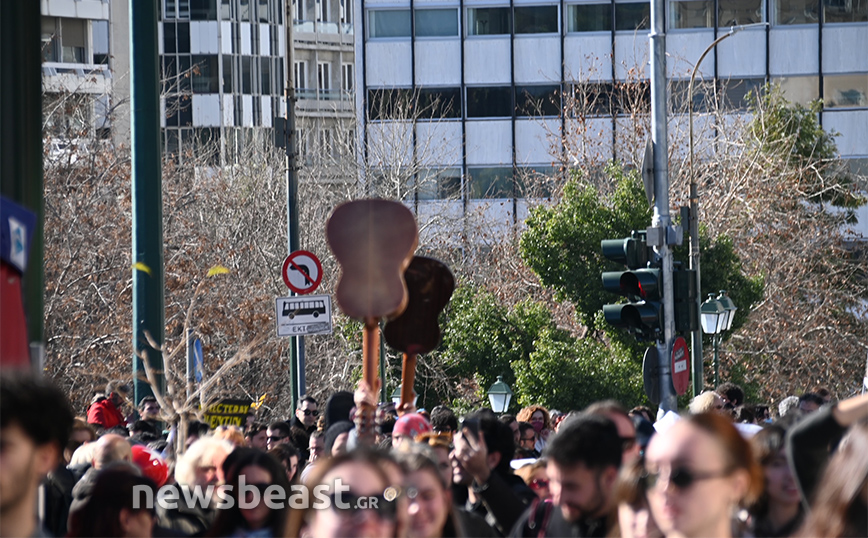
544, 519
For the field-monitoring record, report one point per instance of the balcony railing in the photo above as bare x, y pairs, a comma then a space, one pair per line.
322, 27
323, 95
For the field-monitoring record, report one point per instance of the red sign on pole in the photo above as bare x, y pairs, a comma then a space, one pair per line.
680, 366
302, 272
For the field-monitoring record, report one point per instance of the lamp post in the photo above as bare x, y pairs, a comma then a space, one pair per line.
396, 396
499, 395
696, 337
716, 316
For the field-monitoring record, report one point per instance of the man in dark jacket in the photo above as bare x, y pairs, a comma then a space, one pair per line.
583, 462
481, 476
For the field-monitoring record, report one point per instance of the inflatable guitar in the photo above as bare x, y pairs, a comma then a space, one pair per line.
373, 241
415, 331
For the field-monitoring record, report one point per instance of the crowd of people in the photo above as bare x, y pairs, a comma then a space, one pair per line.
721, 468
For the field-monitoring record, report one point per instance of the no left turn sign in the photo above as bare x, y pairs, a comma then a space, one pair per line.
302, 272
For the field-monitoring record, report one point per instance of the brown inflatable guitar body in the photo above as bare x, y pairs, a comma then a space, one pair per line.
373, 241
430, 285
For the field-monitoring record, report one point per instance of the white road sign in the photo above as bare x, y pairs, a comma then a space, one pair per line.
302, 315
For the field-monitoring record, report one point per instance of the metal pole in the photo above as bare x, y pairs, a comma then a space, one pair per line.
147, 197
21, 153
296, 344
661, 218
698, 367
716, 342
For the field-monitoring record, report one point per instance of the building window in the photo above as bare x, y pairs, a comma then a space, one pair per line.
632, 97
589, 18
589, 99
488, 21
347, 81
799, 89
203, 10
73, 41
205, 74
100, 32
787, 12
735, 92
322, 10
263, 11
438, 184
178, 111
300, 77
436, 22
632, 16
176, 9
244, 10
536, 20
226, 9
691, 14
537, 101
535, 181
246, 75
388, 104
737, 12
845, 91
389, 23
494, 182
298, 10
265, 75
228, 71
440, 102
845, 11
176, 37
324, 77
489, 102
65, 40
346, 11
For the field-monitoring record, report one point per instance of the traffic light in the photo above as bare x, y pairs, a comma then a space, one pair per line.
684, 295
642, 285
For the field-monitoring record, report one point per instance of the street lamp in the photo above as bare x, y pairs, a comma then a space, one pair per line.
716, 316
693, 219
499, 395
396, 397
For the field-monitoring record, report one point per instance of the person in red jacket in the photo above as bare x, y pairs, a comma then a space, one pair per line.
106, 412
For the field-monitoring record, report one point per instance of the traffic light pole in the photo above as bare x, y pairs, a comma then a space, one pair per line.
661, 220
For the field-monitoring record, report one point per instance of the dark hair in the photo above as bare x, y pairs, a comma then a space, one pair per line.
498, 438
305, 398
523, 427
838, 508
145, 400
280, 426
507, 419
643, 411
387, 424
333, 432
113, 491
38, 407
812, 398
733, 393
607, 407
743, 415
766, 445
443, 419
254, 429
196, 428
630, 486
143, 426
590, 440
230, 519
284, 452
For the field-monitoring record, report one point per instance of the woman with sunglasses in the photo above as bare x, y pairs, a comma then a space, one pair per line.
778, 511
351, 496
698, 472
535, 476
254, 476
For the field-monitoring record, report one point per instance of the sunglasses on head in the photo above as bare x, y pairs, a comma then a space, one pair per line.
308, 412
681, 477
539, 483
350, 505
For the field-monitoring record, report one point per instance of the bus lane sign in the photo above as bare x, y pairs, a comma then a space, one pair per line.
303, 315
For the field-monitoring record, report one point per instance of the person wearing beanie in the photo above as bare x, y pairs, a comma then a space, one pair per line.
408, 427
